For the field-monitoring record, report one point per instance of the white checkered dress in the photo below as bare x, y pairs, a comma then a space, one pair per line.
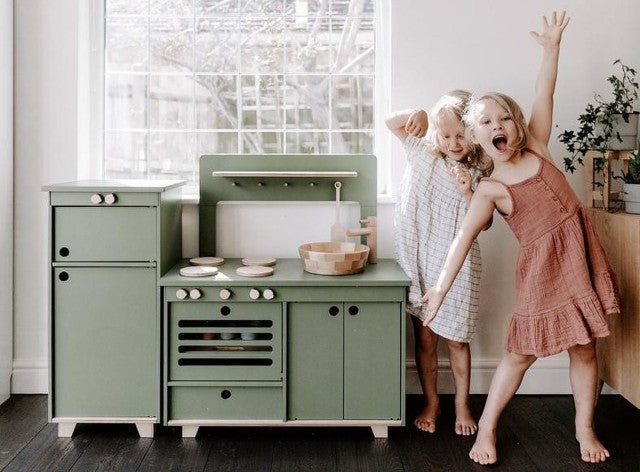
428, 215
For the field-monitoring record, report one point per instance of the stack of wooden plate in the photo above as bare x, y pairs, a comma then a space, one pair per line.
333, 258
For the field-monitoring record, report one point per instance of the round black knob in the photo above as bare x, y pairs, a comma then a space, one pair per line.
225, 394
64, 251
64, 276
353, 310
225, 310
334, 310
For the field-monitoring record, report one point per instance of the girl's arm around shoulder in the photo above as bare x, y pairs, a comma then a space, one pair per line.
408, 123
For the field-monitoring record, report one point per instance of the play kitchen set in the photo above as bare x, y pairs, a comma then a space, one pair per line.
139, 335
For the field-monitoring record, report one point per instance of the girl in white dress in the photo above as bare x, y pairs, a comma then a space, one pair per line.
442, 171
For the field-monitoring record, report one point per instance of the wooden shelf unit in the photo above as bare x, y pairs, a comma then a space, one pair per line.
603, 196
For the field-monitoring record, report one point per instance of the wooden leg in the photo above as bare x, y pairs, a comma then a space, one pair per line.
65, 430
189, 431
380, 431
145, 430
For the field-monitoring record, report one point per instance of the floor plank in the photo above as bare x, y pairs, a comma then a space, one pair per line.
22, 417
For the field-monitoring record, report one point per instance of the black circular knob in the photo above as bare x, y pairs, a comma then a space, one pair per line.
225, 394
353, 310
64, 276
64, 251
334, 310
225, 310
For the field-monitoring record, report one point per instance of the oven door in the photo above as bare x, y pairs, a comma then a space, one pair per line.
225, 341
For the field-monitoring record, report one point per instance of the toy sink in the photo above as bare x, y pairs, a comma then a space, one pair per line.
333, 258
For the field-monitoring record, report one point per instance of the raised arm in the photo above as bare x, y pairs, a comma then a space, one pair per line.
408, 122
540, 123
479, 215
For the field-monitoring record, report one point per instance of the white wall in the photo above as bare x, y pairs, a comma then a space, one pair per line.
435, 47
6, 195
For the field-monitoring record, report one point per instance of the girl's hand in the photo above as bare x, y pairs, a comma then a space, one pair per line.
417, 124
433, 299
551, 30
463, 179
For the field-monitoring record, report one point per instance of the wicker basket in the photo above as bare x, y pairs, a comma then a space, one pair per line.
331, 258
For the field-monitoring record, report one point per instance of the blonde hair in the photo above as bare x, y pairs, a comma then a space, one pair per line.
470, 117
455, 104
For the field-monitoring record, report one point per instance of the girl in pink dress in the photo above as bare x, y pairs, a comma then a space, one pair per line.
564, 283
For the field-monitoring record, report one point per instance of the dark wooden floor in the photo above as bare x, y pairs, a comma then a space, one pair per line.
536, 434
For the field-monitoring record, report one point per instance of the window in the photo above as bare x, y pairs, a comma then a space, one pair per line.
184, 78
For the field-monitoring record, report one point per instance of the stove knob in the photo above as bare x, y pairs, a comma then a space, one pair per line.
194, 293
268, 294
110, 198
181, 294
225, 293
96, 198
254, 294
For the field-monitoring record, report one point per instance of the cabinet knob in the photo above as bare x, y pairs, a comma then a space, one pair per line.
225, 294
353, 310
64, 251
225, 394
181, 294
110, 198
195, 293
268, 294
334, 310
254, 294
96, 198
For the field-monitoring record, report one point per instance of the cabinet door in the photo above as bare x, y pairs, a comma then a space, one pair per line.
314, 365
105, 342
372, 369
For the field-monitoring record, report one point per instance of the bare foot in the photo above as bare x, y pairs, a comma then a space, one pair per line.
591, 449
484, 449
426, 419
465, 424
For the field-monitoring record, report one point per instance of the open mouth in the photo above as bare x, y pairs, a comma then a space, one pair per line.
500, 142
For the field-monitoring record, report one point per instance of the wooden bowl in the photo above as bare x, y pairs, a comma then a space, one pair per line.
328, 258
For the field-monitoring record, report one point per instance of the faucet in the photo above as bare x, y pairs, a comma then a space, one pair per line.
371, 234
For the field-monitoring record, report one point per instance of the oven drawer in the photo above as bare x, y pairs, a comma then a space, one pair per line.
115, 234
225, 402
225, 341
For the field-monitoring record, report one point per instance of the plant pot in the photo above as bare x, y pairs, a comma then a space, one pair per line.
631, 198
628, 131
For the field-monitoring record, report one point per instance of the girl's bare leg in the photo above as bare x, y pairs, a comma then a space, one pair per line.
426, 354
504, 385
583, 372
460, 359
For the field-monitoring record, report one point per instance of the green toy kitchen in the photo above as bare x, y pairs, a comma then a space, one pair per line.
138, 334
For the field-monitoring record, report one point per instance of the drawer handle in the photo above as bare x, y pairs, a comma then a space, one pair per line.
353, 310
334, 310
64, 251
64, 276
225, 394
225, 310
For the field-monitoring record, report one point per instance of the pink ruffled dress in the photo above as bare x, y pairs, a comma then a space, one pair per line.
565, 286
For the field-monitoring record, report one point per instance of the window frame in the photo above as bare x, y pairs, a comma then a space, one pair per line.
91, 83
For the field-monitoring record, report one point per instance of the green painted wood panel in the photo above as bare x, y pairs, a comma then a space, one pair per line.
105, 234
197, 350
225, 402
372, 360
314, 361
105, 342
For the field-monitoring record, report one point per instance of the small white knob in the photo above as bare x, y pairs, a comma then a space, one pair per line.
254, 294
96, 198
181, 294
194, 293
268, 294
110, 198
225, 293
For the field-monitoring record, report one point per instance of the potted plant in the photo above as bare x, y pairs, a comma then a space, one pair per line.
605, 125
631, 189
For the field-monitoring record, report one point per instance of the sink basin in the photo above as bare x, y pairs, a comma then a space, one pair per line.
329, 258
